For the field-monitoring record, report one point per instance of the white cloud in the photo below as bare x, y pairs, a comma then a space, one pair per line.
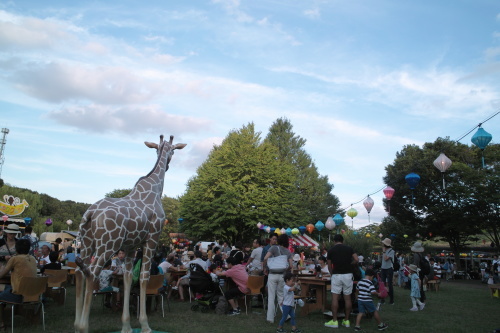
313, 13
129, 120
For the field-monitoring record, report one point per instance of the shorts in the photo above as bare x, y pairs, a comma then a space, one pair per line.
233, 293
342, 284
366, 306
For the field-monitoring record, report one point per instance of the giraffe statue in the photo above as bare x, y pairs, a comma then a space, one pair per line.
128, 223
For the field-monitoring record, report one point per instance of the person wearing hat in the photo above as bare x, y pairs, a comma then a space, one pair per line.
8, 243
415, 288
388, 268
418, 256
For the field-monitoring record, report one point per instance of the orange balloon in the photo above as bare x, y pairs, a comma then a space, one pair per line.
310, 228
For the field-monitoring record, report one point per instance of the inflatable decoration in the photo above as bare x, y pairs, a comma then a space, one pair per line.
12, 206
124, 220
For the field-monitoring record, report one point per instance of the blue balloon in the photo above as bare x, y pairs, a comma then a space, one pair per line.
302, 230
319, 225
27, 220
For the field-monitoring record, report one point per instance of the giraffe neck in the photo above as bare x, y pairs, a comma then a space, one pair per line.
153, 181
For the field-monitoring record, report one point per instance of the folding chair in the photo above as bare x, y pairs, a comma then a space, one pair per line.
71, 272
31, 288
255, 284
55, 285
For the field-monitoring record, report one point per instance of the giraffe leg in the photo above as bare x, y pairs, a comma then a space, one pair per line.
146, 266
87, 303
127, 282
79, 285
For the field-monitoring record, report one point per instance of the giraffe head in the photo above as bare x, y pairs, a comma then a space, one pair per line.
168, 145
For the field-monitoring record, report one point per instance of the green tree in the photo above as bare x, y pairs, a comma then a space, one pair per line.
449, 214
118, 193
171, 206
313, 198
242, 182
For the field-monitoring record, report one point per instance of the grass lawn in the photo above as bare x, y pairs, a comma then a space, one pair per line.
459, 306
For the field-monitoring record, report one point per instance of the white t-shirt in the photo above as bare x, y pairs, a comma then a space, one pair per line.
165, 266
288, 298
256, 254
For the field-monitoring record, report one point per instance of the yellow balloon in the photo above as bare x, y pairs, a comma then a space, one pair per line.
368, 235
277, 231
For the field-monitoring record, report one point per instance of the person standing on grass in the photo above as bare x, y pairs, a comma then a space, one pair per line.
388, 268
418, 256
340, 260
415, 289
288, 305
365, 290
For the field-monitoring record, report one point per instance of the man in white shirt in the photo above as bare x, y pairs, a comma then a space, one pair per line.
254, 265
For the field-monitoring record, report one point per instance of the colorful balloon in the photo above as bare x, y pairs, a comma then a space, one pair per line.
330, 224
259, 225
319, 225
389, 192
295, 231
302, 229
277, 231
288, 231
310, 228
368, 203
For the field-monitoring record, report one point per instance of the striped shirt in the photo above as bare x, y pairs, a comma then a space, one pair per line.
365, 288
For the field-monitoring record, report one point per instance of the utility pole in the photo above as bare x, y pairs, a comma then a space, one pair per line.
5, 131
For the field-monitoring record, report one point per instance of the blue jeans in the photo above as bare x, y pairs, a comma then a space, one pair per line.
287, 310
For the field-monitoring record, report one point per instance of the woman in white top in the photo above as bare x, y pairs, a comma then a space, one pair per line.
324, 267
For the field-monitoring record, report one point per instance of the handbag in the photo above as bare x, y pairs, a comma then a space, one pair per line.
382, 289
278, 264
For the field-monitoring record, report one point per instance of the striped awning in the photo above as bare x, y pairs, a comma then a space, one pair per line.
303, 240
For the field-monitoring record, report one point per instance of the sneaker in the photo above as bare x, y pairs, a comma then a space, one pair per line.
382, 326
414, 309
422, 306
333, 324
357, 329
280, 330
346, 323
233, 313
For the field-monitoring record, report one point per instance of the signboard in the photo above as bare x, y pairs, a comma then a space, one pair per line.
12, 206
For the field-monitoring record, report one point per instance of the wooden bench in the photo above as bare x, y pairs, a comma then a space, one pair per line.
433, 284
493, 288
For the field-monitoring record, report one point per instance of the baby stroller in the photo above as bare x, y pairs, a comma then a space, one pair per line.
206, 290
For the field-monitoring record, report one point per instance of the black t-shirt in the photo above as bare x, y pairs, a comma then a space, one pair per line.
238, 255
341, 258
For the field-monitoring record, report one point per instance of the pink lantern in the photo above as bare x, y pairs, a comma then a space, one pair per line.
368, 203
389, 192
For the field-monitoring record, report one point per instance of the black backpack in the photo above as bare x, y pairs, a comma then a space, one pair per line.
396, 265
425, 265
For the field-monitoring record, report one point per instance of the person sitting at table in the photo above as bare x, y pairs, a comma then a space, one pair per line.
70, 255
57, 245
184, 281
20, 265
118, 264
239, 275
323, 267
53, 264
8, 243
217, 259
44, 256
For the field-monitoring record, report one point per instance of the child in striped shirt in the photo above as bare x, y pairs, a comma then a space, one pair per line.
365, 290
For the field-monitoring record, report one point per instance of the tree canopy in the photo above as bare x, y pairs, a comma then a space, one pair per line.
247, 180
467, 206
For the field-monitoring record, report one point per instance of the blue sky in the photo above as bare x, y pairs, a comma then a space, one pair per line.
84, 84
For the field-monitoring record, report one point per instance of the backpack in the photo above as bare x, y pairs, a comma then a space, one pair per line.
425, 266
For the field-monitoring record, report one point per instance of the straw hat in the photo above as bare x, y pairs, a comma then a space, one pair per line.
12, 229
387, 242
417, 247
413, 268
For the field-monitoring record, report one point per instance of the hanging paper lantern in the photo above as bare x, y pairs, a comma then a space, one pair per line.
368, 235
319, 225
393, 235
5, 218
295, 231
277, 231
412, 179
283, 231
310, 228
389, 192
288, 232
48, 222
273, 230
481, 140
166, 222
268, 229
69, 222
442, 162
259, 225
418, 235
380, 235
352, 213
180, 220
330, 224
302, 230
338, 219
355, 232
27, 220
405, 236
430, 234
368, 203
342, 231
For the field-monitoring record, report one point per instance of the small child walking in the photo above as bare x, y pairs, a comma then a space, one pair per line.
288, 304
415, 289
365, 290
